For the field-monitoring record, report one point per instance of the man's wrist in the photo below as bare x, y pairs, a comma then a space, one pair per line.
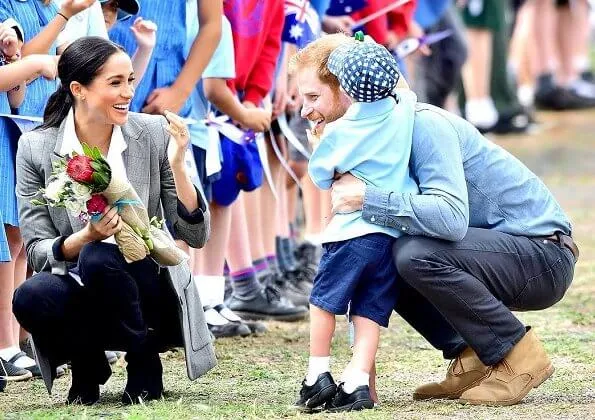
64, 14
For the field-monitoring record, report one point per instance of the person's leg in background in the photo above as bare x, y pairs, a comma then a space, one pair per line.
250, 299
573, 40
12, 274
476, 73
512, 117
439, 73
522, 54
550, 93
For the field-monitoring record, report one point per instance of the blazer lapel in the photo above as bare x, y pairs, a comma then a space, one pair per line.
136, 159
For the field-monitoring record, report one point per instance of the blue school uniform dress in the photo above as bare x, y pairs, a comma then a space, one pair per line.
372, 141
32, 16
168, 57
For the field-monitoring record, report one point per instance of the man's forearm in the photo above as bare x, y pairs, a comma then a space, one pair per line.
439, 216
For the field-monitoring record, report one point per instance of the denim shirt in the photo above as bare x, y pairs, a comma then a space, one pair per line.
465, 180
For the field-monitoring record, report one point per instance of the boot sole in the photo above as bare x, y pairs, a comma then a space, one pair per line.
18, 378
358, 405
454, 396
541, 378
252, 316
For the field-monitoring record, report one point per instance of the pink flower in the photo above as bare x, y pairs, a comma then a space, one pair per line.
96, 204
79, 169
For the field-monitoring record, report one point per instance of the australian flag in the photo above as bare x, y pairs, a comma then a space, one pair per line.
302, 24
344, 7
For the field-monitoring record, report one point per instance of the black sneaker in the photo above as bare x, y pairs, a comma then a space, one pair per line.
549, 96
359, 399
10, 372
267, 303
288, 287
317, 395
145, 378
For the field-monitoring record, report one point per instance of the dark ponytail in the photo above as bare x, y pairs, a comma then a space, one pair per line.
80, 62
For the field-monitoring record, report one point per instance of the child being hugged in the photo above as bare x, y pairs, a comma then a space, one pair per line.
372, 141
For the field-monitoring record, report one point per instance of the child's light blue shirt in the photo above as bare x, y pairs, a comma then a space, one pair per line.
372, 141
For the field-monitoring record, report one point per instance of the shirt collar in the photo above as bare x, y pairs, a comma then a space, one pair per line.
361, 110
71, 143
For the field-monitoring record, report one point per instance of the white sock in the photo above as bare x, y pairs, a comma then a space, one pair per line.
481, 112
355, 378
21, 362
211, 289
212, 317
316, 366
526, 94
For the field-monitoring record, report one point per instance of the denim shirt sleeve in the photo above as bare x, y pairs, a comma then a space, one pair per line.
441, 210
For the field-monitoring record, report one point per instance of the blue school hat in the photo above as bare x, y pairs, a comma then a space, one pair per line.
367, 71
241, 170
126, 8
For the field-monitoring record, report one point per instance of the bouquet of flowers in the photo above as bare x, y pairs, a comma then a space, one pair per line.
85, 186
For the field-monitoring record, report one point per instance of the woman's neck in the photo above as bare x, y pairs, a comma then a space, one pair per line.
94, 133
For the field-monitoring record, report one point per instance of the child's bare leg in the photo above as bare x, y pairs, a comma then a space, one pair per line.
322, 328
357, 373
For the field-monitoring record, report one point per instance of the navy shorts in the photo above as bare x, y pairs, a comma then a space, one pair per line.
361, 271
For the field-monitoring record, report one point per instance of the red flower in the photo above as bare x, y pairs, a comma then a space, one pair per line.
96, 204
79, 169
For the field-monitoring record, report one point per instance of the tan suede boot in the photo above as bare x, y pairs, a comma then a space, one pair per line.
525, 367
464, 372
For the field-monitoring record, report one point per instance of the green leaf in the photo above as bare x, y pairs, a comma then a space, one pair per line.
37, 202
87, 150
97, 166
96, 154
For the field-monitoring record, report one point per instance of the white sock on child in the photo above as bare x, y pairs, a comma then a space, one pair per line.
481, 112
210, 289
316, 366
354, 378
22, 362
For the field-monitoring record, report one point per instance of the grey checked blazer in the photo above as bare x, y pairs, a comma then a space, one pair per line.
149, 173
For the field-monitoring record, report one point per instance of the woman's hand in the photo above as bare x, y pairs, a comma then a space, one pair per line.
347, 194
180, 138
109, 224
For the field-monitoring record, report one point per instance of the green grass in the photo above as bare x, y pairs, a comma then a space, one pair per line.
258, 377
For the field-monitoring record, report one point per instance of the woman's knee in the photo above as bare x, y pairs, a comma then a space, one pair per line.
28, 299
95, 257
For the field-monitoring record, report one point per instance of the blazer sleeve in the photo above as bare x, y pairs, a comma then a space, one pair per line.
36, 225
191, 227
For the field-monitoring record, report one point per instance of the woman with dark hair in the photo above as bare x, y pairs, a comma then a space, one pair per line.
85, 297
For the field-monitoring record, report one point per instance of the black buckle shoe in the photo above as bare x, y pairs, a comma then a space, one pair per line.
317, 395
359, 399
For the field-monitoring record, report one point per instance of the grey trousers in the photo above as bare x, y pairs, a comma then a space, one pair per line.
461, 293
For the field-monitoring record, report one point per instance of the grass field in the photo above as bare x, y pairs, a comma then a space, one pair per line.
258, 377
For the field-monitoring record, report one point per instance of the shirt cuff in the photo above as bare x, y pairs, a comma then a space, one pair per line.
375, 206
195, 217
57, 248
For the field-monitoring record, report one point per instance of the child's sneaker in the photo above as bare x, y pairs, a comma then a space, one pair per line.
359, 399
318, 394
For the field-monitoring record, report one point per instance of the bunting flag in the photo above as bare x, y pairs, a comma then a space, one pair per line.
344, 7
302, 24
